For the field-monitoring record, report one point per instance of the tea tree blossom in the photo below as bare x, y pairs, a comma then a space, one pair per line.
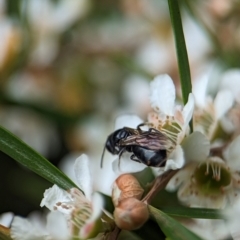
73, 214
169, 118
207, 181
210, 113
230, 80
172, 120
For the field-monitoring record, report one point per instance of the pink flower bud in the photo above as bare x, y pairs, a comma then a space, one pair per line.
126, 186
131, 214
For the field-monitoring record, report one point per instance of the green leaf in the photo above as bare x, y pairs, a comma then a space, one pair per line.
172, 228
203, 213
184, 69
21, 152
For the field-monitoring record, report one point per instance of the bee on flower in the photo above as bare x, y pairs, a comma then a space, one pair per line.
169, 119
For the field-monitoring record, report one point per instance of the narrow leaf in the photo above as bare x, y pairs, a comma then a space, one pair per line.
21, 152
183, 64
203, 213
172, 228
181, 49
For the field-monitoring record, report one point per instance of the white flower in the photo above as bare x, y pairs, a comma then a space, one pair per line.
230, 80
23, 229
73, 214
210, 115
47, 20
6, 219
213, 228
207, 181
170, 119
231, 214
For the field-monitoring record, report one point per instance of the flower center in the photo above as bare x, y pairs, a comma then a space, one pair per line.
212, 177
171, 129
79, 217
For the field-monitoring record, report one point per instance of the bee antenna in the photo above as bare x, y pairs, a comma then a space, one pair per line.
101, 164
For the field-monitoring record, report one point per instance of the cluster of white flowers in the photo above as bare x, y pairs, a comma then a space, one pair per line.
207, 160
72, 213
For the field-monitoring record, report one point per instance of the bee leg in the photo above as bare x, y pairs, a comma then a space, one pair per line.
119, 156
153, 130
139, 126
135, 159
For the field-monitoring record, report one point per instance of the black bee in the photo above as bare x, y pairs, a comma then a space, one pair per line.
148, 147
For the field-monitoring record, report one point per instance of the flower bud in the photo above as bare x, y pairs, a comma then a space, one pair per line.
131, 214
126, 186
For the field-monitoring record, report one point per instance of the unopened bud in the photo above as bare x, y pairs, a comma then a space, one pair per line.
131, 214
126, 186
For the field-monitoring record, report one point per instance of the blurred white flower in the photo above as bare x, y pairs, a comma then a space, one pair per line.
6, 219
231, 214
136, 93
73, 214
47, 20
10, 41
154, 55
210, 114
24, 229
207, 181
29, 127
231, 80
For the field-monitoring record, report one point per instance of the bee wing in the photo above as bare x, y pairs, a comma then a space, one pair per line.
150, 140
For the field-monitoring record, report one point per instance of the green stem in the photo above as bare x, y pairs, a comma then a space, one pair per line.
184, 69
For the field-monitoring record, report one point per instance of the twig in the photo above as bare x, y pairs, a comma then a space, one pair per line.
159, 183
114, 234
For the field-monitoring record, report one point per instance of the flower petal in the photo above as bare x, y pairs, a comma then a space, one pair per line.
176, 159
231, 81
83, 176
188, 109
196, 147
54, 195
199, 89
180, 178
97, 205
126, 165
6, 218
57, 226
131, 121
23, 229
190, 195
162, 94
223, 102
232, 154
